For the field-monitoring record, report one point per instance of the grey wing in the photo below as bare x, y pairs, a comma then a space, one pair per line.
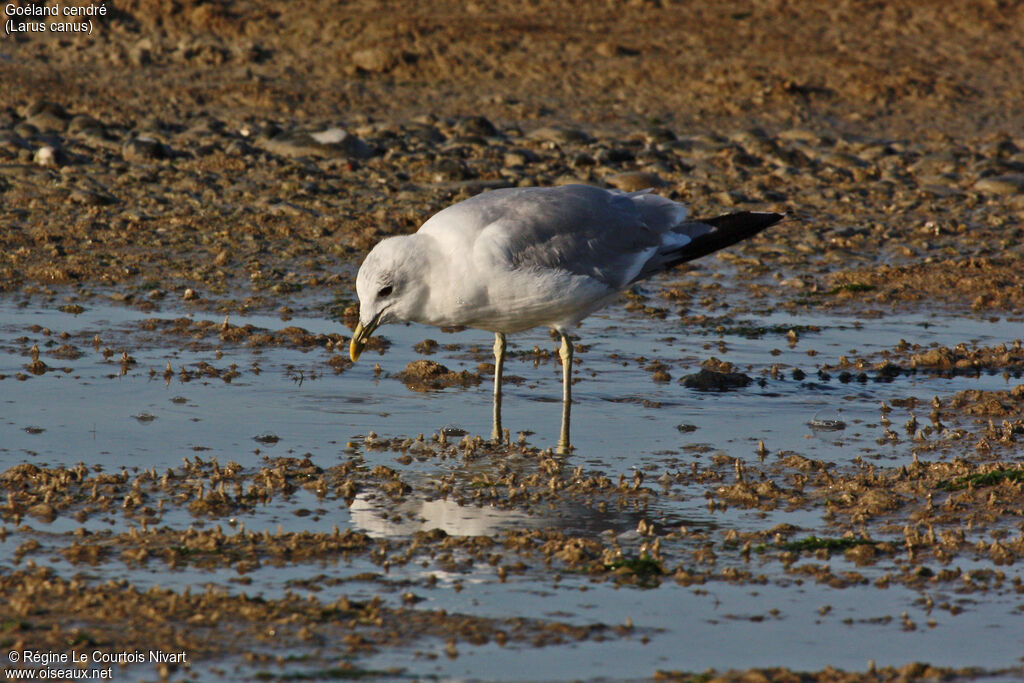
575, 228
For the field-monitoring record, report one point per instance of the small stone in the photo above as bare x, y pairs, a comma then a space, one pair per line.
141, 53
205, 126
610, 156
45, 107
451, 169
330, 136
47, 116
475, 125
632, 181
144, 148
519, 157
659, 134
716, 375
1009, 184
90, 198
800, 135
238, 148
11, 141
86, 125
424, 132
582, 159
333, 142
569, 179
559, 135
841, 160
475, 185
46, 156
610, 49
373, 60
25, 130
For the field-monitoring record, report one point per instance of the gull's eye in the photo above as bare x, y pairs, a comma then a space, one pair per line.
385, 291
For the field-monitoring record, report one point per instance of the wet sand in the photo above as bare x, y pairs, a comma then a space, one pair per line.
190, 462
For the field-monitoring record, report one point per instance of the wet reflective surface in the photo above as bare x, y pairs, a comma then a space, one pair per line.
104, 411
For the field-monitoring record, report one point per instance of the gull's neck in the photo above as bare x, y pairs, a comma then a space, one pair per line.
439, 282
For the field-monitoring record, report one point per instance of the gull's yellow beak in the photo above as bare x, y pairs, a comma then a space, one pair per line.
360, 336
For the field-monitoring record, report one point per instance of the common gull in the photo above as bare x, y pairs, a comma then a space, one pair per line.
512, 259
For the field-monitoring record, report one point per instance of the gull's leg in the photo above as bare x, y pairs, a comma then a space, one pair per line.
499, 362
565, 353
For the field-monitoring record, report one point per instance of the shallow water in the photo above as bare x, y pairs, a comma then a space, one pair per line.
622, 422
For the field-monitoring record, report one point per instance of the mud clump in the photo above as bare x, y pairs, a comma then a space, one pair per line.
988, 283
428, 375
941, 359
716, 375
990, 403
962, 359
66, 351
912, 671
36, 603
339, 364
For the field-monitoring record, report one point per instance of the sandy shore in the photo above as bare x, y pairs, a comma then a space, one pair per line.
238, 158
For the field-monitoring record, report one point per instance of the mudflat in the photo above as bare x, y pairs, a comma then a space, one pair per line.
187, 189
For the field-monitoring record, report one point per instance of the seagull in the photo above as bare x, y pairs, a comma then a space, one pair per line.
512, 259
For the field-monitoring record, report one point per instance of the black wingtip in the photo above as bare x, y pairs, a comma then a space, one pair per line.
744, 224
728, 230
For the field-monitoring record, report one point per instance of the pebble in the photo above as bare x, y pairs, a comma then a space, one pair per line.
9, 140
239, 148
633, 181
86, 125
373, 60
582, 159
553, 181
205, 125
519, 157
841, 160
141, 53
46, 156
475, 125
425, 132
559, 135
330, 136
47, 116
90, 198
656, 134
1009, 184
475, 186
25, 130
800, 135
144, 148
451, 169
333, 142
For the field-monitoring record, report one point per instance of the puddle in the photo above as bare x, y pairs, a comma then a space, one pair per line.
286, 401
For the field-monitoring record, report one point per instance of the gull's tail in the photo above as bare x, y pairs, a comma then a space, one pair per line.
708, 235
